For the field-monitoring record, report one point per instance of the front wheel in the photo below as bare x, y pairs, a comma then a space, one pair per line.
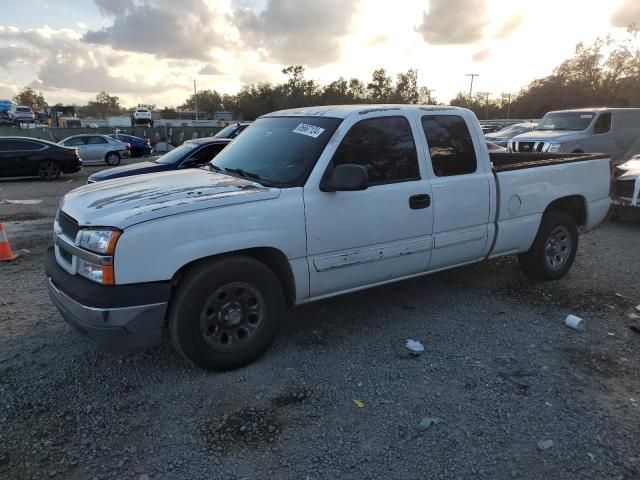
48, 170
112, 159
226, 313
554, 248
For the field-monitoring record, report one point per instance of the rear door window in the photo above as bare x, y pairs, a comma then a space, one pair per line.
603, 124
96, 141
23, 145
450, 145
384, 146
75, 142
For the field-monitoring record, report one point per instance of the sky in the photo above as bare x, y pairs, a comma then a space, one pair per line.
150, 51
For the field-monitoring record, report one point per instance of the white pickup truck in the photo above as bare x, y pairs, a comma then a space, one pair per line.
307, 204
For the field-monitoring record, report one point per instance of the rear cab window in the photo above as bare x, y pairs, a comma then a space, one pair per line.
450, 145
384, 146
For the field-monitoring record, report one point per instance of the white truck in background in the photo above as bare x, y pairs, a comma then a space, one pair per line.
308, 204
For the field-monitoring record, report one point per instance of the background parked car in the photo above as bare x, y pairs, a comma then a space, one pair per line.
192, 153
21, 114
98, 148
139, 146
5, 105
502, 137
141, 116
23, 156
232, 131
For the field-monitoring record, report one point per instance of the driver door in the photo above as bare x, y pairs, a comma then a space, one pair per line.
360, 238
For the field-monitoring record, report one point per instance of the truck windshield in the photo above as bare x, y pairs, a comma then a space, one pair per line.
574, 121
277, 151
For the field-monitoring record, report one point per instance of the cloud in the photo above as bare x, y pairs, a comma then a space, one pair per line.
454, 22
113, 7
627, 13
64, 62
509, 27
209, 69
481, 55
165, 28
15, 54
306, 32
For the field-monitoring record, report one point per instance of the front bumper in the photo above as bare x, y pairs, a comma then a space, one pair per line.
117, 317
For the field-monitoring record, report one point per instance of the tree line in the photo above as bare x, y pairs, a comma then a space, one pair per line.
603, 73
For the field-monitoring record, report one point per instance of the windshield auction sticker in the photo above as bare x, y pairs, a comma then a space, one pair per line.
309, 130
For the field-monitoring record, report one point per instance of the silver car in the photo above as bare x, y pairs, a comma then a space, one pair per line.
97, 148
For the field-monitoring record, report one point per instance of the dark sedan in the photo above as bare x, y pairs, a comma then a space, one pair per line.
27, 157
192, 153
139, 146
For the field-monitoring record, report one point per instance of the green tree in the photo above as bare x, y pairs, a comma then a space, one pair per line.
105, 105
209, 101
380, 88
28, 97
406, 90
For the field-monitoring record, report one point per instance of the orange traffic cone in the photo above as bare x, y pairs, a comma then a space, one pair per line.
5, 249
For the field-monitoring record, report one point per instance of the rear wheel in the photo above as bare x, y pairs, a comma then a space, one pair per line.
226, 313
554, 248
48, 170
112, 158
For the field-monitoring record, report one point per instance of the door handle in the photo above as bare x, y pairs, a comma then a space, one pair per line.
416, 202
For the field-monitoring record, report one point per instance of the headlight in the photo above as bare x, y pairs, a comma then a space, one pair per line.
98, 268
99, 241
98, 273
555, 148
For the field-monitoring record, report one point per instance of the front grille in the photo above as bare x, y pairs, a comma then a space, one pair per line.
68, 225
528, 147
624, 188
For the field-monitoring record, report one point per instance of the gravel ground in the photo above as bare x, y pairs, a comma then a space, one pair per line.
516, 393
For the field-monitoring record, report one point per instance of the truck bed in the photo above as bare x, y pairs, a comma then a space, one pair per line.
504, 162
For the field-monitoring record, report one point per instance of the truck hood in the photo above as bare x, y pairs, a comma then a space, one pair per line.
553, 136
127, 201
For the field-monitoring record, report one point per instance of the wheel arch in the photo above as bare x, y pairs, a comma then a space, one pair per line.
272, 258
573, 205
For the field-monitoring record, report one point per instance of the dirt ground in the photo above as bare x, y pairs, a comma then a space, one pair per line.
515, 393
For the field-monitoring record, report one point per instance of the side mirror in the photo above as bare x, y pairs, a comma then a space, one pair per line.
347, 177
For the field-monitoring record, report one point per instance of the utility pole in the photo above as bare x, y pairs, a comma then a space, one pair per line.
472, 75
509, 108
486, 112
195, 98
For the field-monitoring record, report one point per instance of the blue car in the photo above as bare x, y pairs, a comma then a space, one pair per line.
192, 153
139, 146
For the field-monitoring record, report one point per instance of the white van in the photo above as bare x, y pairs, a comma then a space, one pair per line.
614, 131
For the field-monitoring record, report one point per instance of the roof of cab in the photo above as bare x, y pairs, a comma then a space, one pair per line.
344, 111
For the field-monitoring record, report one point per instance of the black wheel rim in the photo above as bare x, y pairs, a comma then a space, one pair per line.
112, 159
48, 170
232, 316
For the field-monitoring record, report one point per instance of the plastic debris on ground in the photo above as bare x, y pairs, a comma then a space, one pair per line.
359, 403
21, 202
428, 422
574, 322
414, 346
545, 444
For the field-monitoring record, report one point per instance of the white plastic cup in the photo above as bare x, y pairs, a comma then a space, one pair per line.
574, 322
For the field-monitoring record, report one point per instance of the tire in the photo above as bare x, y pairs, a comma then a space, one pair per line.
112, 158
554, 248
48, 170
226, 313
